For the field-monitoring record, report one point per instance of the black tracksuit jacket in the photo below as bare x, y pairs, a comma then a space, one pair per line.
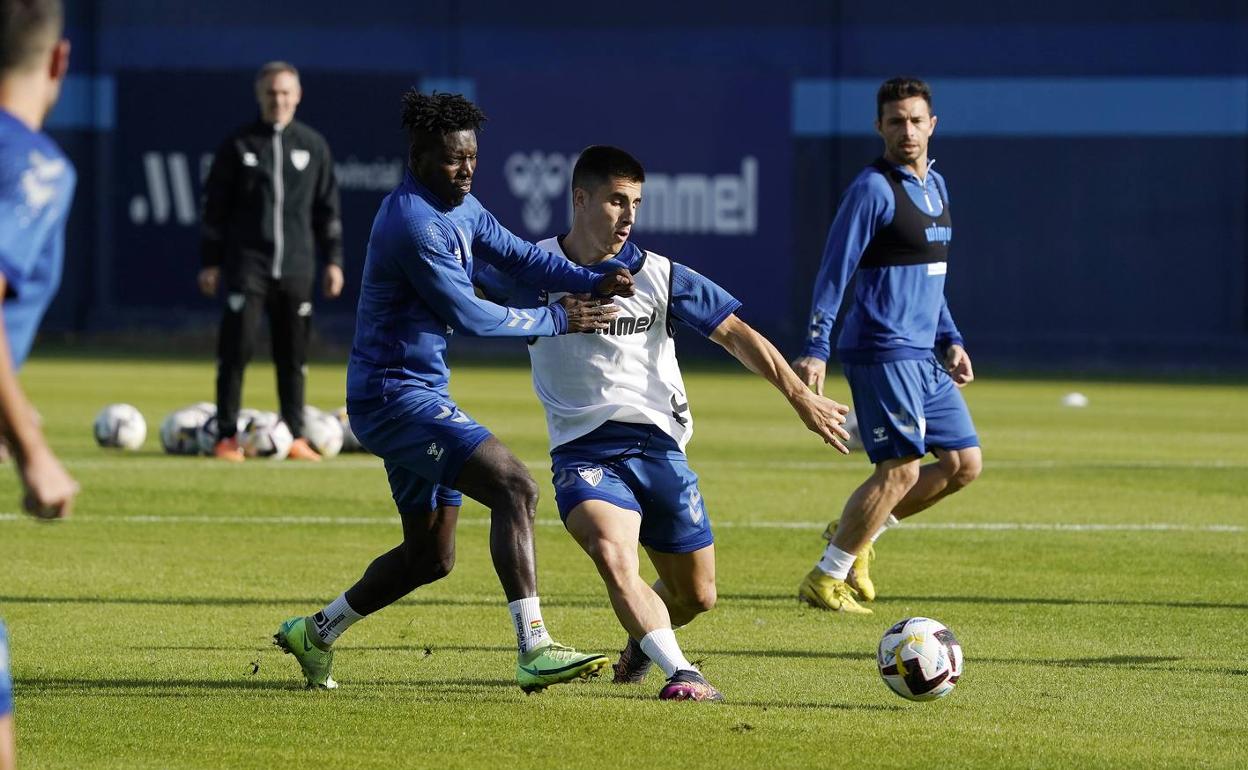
261, 224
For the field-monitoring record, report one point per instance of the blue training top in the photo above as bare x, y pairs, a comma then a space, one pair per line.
6, 681
898, 312
36, 189
416, 289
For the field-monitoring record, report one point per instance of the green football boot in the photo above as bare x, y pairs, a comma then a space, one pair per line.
555, 664
293, 638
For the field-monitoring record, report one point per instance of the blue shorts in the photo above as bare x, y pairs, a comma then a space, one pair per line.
6, 681
424, 442
639, 468
905, 408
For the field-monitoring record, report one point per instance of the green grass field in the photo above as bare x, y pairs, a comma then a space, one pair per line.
1095, 575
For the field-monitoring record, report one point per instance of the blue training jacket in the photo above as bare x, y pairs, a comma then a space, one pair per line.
416, 289
897, 312
36, 188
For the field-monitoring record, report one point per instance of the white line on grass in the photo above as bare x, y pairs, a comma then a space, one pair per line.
986, 526
850, 465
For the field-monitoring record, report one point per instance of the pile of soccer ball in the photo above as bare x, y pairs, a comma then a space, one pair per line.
193, 430
920, 659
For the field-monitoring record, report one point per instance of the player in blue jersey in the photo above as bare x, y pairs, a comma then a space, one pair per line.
36, 189
416, 289
619, 420
902, 354
7, 749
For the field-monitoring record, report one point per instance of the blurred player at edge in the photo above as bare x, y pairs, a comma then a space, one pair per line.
901, 352
416, 288
619, 422
36, 189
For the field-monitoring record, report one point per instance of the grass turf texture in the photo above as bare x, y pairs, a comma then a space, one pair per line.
144, 642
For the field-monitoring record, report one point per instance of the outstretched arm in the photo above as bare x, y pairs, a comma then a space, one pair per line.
821, 415
541, 269
49, 489
439, 277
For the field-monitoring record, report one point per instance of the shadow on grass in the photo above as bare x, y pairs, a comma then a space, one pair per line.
425, 651
305, 602
422, 651
53, 685
433, 691
643, 694
727, 600
49, 685
764, 599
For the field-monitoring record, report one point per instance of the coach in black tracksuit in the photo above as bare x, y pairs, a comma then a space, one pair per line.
270, 202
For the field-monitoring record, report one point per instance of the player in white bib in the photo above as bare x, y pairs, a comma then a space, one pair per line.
619, 420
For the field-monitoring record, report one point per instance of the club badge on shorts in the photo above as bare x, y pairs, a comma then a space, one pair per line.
592, 476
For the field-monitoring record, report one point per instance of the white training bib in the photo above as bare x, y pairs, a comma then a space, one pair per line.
627, 373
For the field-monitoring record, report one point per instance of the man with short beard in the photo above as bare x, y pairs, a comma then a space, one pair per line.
900, 349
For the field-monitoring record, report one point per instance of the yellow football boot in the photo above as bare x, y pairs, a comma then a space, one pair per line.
820, 590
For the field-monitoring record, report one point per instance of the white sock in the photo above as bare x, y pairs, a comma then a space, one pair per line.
891, 521
661, 647
531, 633
835, 562
329, 623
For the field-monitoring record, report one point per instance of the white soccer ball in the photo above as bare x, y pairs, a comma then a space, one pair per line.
120, 426
266, 435
323, 432
1075, 400
208, 435
920, 659
179, 433
349, 442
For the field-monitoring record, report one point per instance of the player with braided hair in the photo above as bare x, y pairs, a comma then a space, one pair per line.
415, 291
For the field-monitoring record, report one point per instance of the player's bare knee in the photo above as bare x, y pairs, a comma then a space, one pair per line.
697, 598
440, 562
899, 478
441, 566
617, 564
970, 464
526, 490
519, 491
702, 599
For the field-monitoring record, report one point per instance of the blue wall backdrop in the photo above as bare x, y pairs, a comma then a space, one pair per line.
1097, 154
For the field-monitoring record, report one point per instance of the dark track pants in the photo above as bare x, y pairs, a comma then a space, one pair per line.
289, 309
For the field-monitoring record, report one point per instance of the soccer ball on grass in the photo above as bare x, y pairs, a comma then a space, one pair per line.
209, 433
323, 432
266, 435
920, 659
349, 442
179, 433
120, 426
